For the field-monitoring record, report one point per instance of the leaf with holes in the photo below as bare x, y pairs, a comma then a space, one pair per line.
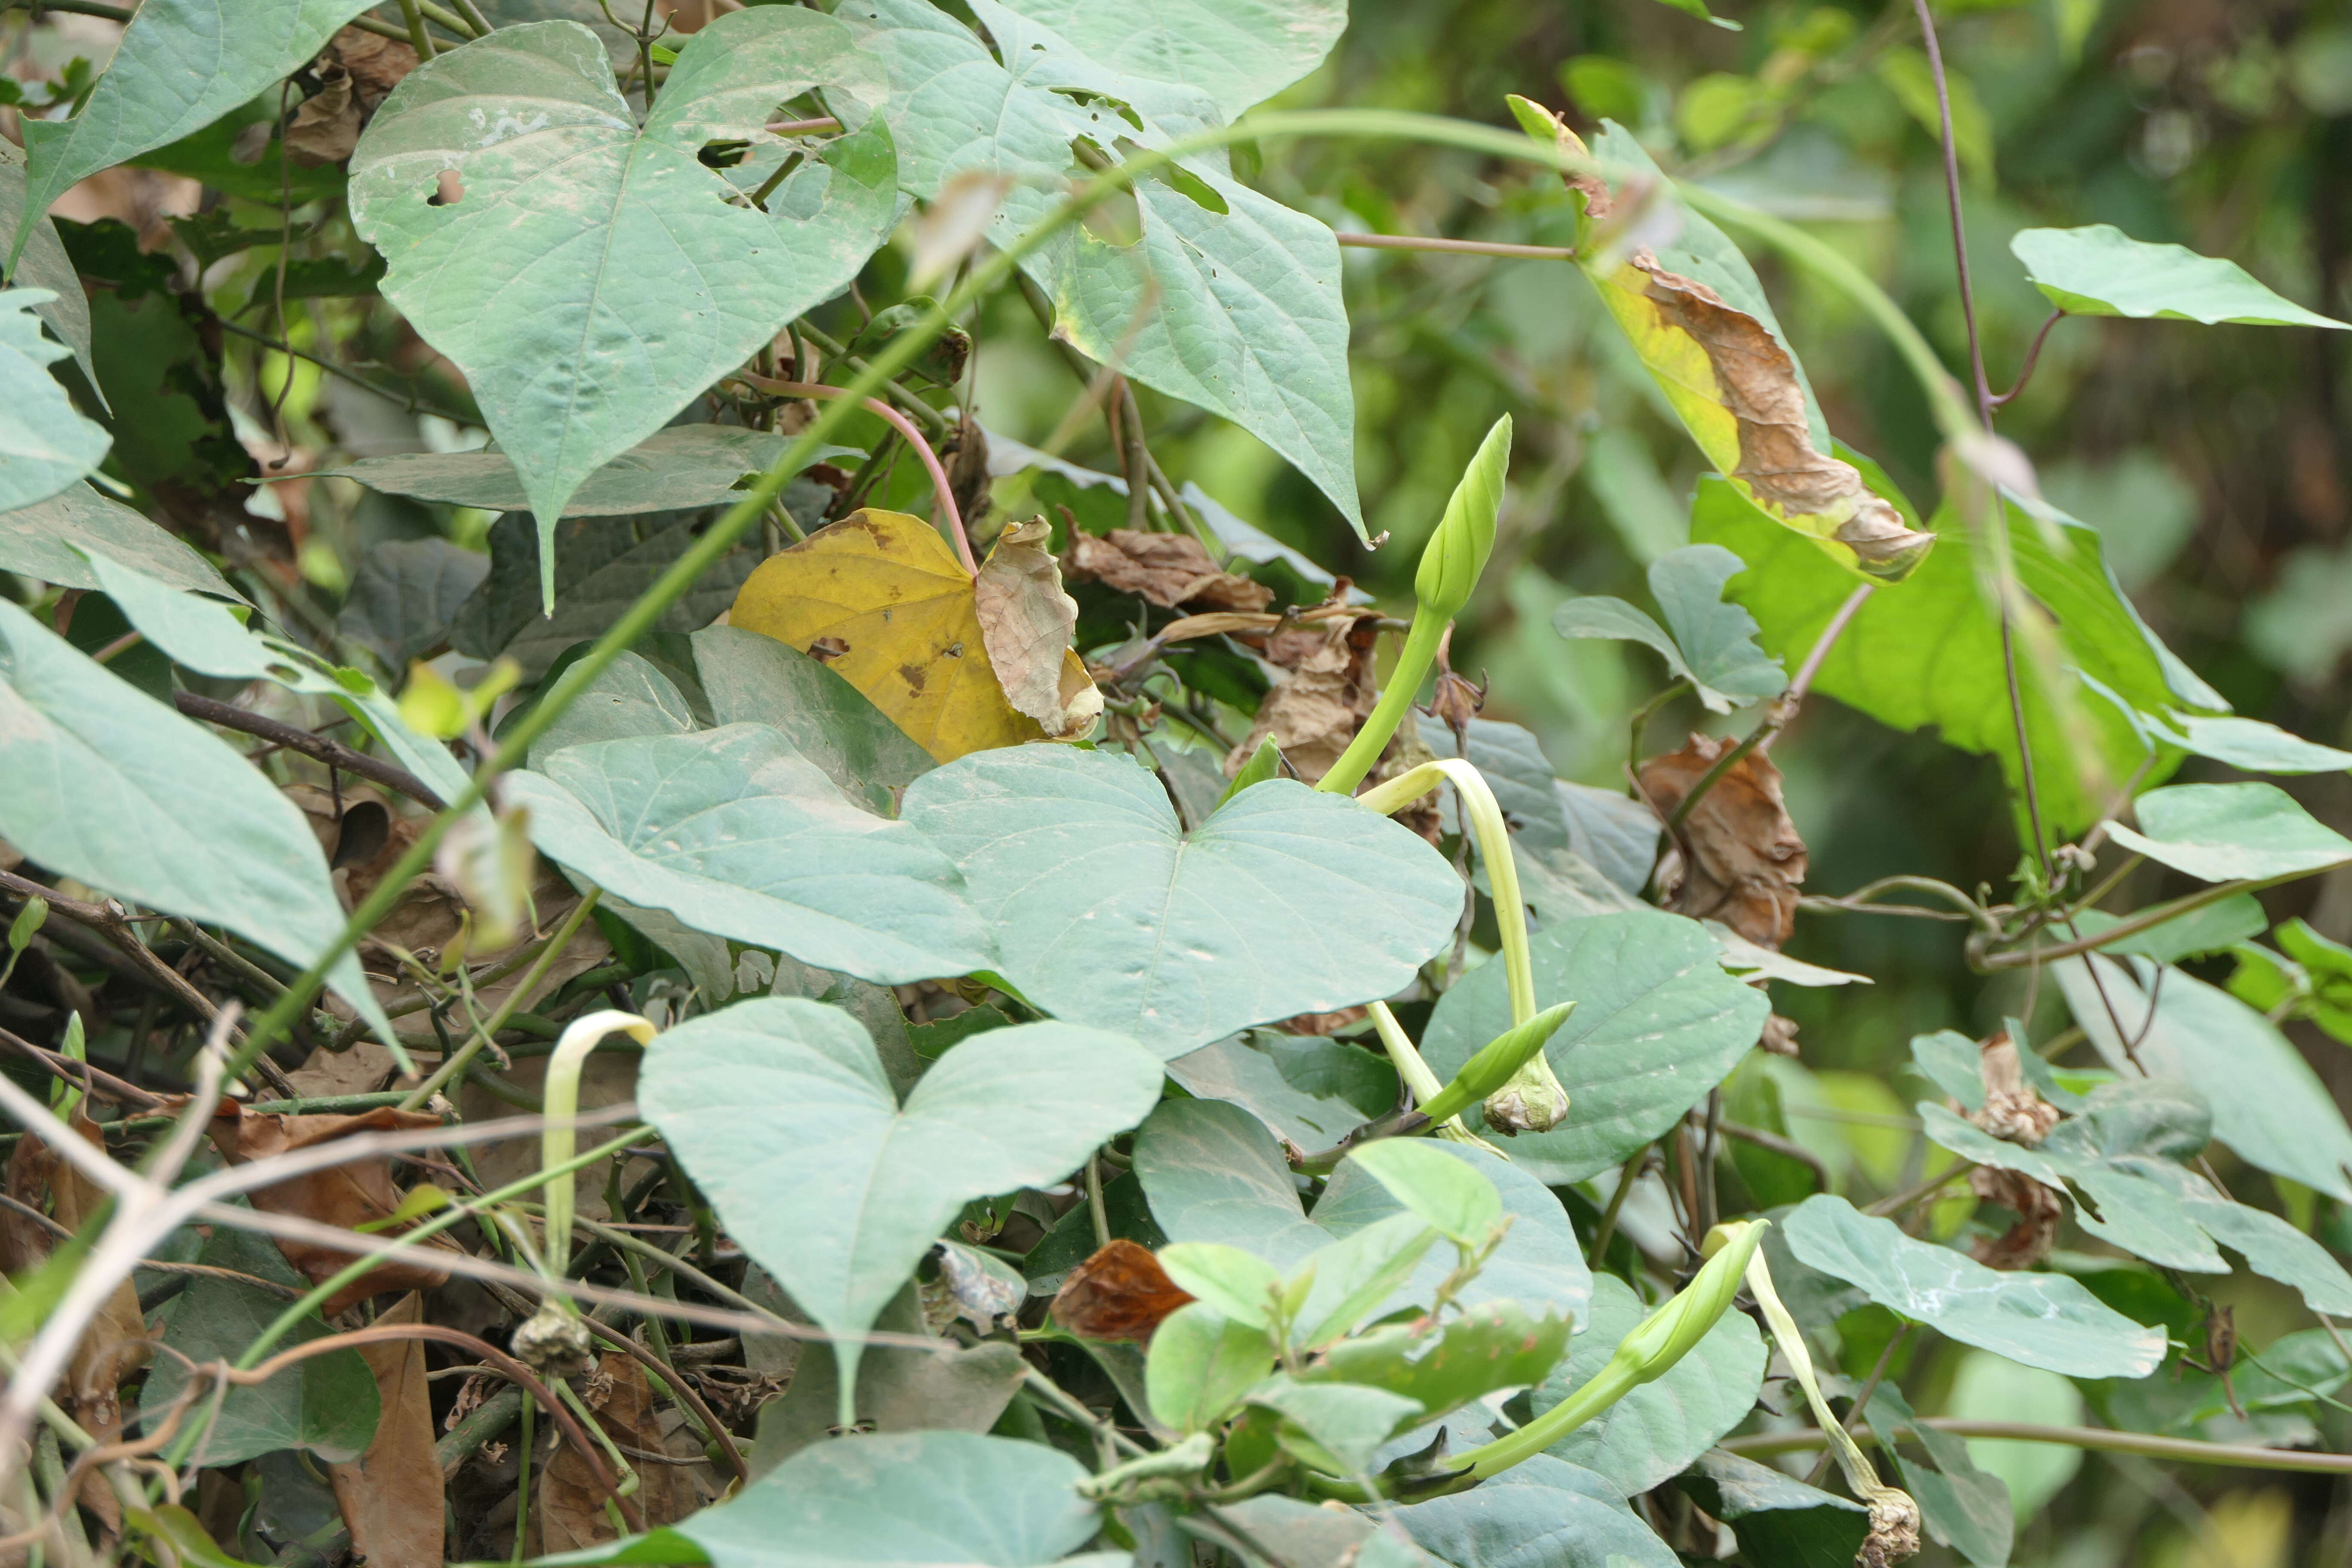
590, 276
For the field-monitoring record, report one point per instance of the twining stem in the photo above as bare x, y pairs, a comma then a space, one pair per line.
2097, 1439
458, 1059
1458, 247
1417, 1075
906, 427
1419, 654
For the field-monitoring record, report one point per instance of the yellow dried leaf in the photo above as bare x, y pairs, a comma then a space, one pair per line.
1025, 622
896, 614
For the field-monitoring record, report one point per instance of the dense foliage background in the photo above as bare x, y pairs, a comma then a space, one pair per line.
2215, 463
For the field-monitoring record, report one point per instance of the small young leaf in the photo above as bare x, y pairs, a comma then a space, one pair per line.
1458, 1200
1201, 1363
1235, 1284
1713, 644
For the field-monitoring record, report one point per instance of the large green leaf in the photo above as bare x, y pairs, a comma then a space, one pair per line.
1213, 1174
1232, 306
629, 699
673, 469
111, 787
1238, 52
1712, 645
2221, 832
44, 265
594, 276
2267, 1103
756, 679
2042, 1320
779, 1110
1657, 1024
46, 444
1543, 1511
1649, 1436
328, 1404
736, 833
2102, 271
44, 540
179, 68
939, 1500
1293, 1084
1779, 1519
1926, 652
1106, 911
405, 594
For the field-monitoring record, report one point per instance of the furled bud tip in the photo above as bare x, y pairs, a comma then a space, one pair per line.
1457, 553
1491, 1070
1675, 1330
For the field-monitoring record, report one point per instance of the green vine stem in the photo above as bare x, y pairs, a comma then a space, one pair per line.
1648, 1353
1426, 1090
464, 1054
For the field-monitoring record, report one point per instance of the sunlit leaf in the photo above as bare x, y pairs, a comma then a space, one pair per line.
2223, 832
2102, 271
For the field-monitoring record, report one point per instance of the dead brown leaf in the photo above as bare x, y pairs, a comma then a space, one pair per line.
1169, 569
1324, 1023
1756, 382
2013, 1108
1025, 621
2039, 1210
376, 64
325, 126
391, 1495
116, 1343
570, 1500
1323, 691
1120, 1293
1745, 861
356, 1194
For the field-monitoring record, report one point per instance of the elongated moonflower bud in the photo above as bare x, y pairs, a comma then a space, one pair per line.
1648, 1353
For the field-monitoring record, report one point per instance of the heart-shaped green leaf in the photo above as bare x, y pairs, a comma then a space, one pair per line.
2042, 1320
591, 275
1657, 1024
1200, 1363
1713, 644
1107, 912
737, 834
2224, 831
780, 1111
2102, 271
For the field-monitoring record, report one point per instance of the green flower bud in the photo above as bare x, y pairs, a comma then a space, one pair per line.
1531, 1102
1497, 1062
1457, 553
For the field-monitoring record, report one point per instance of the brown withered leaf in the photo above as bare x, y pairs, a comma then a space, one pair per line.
391, 1495
1025, 621
347, 1196
325, 126
569, 1512
1759, 406
1120, 1293
1746, 860
376, 64
1169, 569
116, 1343
2013, 1108
2038, 1209
1323, 691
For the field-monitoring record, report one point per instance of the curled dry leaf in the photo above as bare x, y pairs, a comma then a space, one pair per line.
391, 1495
2013, 1108
356, 72
116, 1343
1323, 690
1025, 622
357, 1194
1745, 861
1172, 570
1120, 1293
2038, 1210
569, 1512
886, 589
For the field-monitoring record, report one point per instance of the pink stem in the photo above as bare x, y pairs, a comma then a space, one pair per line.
905, 427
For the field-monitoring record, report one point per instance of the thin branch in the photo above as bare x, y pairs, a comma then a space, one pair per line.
1786, 1148
906, 427
1458, 247
335, 754
413, 405
2032, 353
2097, 1439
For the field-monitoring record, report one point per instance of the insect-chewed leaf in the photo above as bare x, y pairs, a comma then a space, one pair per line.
1120, 1293
895, 617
